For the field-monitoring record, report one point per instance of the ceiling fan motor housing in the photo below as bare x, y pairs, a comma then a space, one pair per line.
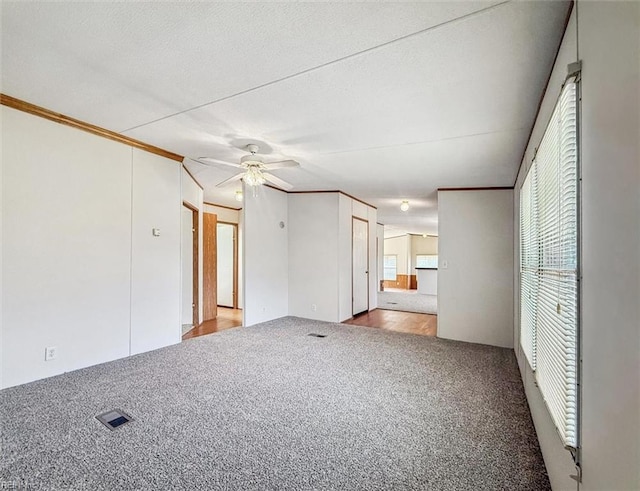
251, 147
251, 160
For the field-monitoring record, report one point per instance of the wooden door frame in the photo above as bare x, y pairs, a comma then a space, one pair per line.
235, 261
353, 217
209, 266
196, 262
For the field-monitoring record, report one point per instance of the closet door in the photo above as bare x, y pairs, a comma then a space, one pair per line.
360, 265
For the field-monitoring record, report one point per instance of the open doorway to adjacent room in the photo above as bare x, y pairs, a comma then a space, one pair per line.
220, 271
190, 267
227, 261
410, 273
407, 283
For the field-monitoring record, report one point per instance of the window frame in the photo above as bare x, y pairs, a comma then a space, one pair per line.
385, 268
428, 256
572, 446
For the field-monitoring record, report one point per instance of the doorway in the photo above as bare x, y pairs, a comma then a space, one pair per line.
190, 226
227, 273
219, 277
360, 265
410, 273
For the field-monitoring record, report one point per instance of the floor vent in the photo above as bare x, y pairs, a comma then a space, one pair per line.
317, 335
114, 418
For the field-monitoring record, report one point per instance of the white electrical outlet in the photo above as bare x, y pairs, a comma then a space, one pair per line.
314, 307
50, 353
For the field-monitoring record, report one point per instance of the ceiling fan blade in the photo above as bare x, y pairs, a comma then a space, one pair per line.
281, 164
237, 177
206, 160
277, 181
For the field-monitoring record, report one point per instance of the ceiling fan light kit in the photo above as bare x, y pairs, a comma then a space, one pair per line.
254, 176
255, 172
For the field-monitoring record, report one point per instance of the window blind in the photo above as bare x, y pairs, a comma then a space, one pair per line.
529, 265
549, 265
426, 261
390, 267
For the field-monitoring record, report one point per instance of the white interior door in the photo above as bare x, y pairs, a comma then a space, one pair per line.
360, 274
225, 264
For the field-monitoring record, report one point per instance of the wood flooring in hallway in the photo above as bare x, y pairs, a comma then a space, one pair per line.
226, 318
394, 320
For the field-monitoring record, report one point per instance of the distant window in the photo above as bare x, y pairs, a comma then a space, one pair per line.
390, 267
426, 261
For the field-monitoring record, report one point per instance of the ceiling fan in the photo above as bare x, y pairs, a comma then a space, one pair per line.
255, 171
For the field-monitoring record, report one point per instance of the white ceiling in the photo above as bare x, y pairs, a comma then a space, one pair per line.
385, 101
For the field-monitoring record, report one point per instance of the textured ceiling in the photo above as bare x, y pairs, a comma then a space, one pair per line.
385, 101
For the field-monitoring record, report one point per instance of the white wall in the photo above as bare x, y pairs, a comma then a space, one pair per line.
475, 291
345, 304
608, 42
422, 245
606, 37
372, 218
380, 254
192, 193
320, 254
266, 264
398, 246
223, 214
67, 247
1, 263
187, 265
68, 269
155, 264
313, 256
240, 259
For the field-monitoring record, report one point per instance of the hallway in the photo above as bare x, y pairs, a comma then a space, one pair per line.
393, 320
226, 319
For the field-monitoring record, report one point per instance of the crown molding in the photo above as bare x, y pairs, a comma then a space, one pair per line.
42, 112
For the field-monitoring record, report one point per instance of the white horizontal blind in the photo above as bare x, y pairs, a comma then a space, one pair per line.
426, 261
549, 228
390, 267
529, 265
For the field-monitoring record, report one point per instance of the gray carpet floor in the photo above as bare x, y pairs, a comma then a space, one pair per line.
409, 301
269, 407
